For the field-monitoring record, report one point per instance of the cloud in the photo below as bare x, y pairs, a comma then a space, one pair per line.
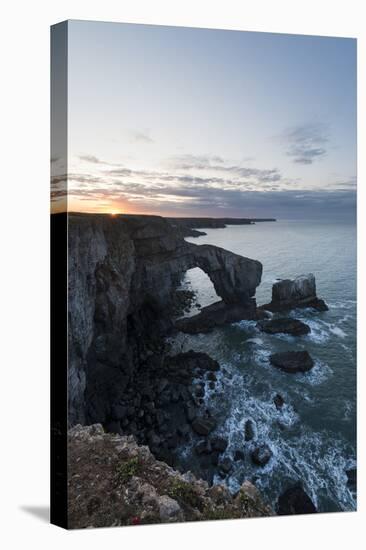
90, 158
216, 164
306, 143
211, 186
199, 198
141, 136
199, 162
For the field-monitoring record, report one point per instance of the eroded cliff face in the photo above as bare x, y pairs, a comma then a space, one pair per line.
123, 272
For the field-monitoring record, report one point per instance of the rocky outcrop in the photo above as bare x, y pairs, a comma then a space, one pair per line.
295, 501
216, 315
261, 455
292, 361
284, 326
123, 272
113, 481
278, 401
249, 430
289, 294
352, 478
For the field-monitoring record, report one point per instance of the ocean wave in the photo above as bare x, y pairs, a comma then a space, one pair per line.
257, 341
337, 331
343, 304
317, 460
317, 375
245, 324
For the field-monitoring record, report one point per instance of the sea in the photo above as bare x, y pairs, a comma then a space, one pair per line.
313, 437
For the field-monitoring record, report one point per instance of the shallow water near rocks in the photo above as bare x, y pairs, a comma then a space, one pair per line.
313, 437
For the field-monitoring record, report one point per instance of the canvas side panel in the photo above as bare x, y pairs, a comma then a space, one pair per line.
59, 274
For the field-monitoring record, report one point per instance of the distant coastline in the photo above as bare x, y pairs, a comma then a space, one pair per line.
206, 222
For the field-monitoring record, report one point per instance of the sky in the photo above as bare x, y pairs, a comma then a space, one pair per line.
199, 122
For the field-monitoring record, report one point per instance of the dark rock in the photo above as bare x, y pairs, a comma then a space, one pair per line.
131, 412
162, 385
239, 455
190, 412
175, 395
216, 315
114, 427
211, 385
225, 466
211, 376
203, 425
118, 412
192, 361
352, 478
279, 401
203, 447
154, 440
160, 418
199, 391
215, 458
292, 361
297, 293
219, 443
295, 501
261, 455
172, 441
249, 430
284, 326
183, 430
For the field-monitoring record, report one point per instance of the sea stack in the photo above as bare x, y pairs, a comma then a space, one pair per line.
295, 293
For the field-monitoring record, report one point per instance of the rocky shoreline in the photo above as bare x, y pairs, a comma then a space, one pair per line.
124, 300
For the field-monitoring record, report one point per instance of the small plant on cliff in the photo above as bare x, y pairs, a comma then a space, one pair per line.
184, 493
127, 469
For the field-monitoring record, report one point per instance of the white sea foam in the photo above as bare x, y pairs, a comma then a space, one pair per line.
337, 331
319, 332
257, 341
317, 375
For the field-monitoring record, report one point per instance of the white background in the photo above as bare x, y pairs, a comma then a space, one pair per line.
24, 303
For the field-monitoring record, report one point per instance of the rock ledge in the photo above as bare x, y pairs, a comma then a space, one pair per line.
112, 481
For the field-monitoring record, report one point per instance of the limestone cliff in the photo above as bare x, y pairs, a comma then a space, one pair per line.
123, 272
113, 481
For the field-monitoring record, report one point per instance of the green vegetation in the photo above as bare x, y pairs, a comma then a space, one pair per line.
184, 493
127, 469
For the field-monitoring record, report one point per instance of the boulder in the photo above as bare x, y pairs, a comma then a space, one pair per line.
295, 293
261, 455
169, 509
113, 427
352, 478
199, 390
191, 412
292, 361
295, 501
219, 443
284, 326
239, 455
203, 447
279, 401
225, 466
192, 361
249, 430
203, 425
